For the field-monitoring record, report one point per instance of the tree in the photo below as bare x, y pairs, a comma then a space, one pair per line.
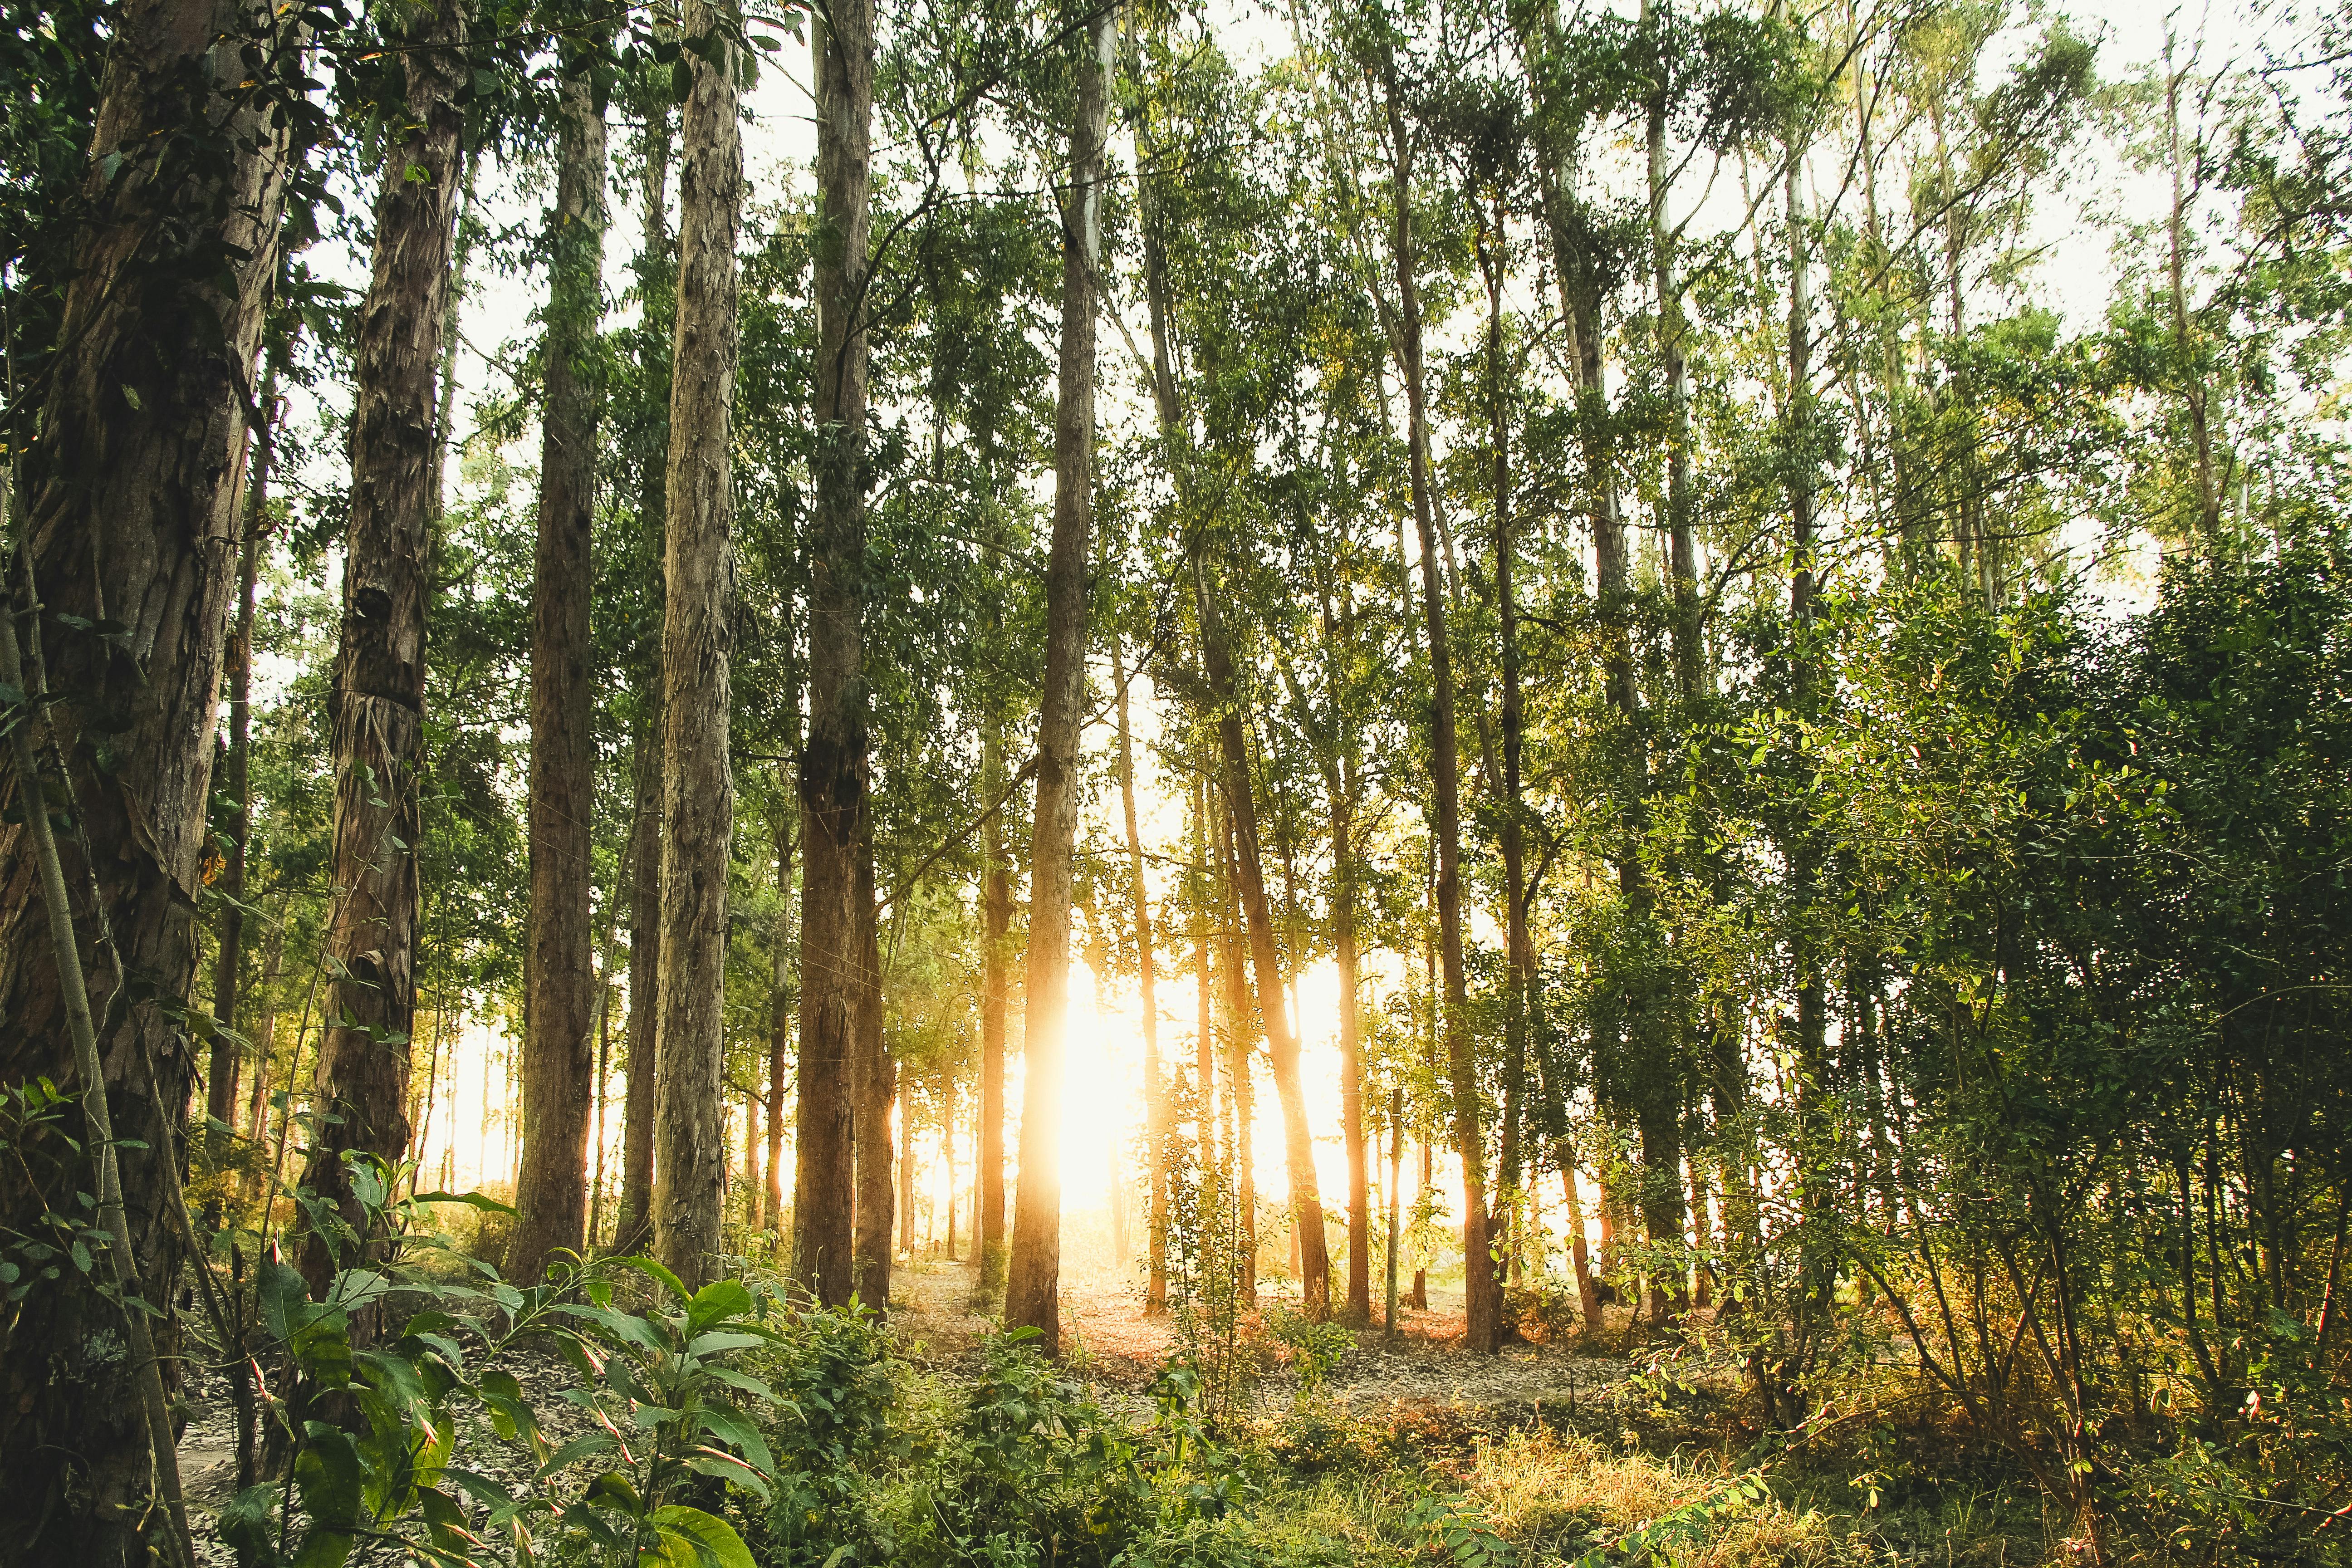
699, 791
837, 859
169, 249
557, 1066
379, 693
1032, 1289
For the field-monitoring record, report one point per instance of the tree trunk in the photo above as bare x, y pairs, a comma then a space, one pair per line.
780, 1033
228, 968
2196, 392
130, 516
656, 285
1481, 1301
1351, 1061
379, 693
1519, 947
1159, 1125
558, 956
1033, 1281
996, 903
834, 766
1240, 1086
947, 1154
697, 784
906, 1165
874, 1083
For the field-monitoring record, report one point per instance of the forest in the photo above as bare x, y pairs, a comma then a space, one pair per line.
1175, 783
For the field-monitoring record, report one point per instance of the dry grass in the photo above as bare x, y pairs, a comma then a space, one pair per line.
1558, 1493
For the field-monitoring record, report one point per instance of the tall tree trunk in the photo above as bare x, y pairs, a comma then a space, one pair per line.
833, 767
779, 1030
874, 1083
379, 693
558, 955
1249, 884
129, 515
1519, 947
1481, 1301
1351, 1056
597, 1141
996, 904
1033, 1281
1241, 1084
1158, 1124
697, 782
656, 285
228, 967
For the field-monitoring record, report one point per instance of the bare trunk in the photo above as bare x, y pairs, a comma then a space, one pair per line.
1673, 349
558, 957
1352, 1064
1481, 1301
1159, 1123
1240, 1086
698, 583
874, 1082
634, 1226
2200, 433
379, 693
1032, 1279
228, 966
996, 901
834, 919
779, 1034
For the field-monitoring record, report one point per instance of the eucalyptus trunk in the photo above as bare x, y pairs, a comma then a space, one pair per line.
378, 706
1482, 1299
1158, 1121
559, 959
228, 963
698, 577
656, 284
130, 515
1033, 1277
996, 907
836, 920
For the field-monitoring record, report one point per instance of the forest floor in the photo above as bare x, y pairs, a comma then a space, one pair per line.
1557, 1446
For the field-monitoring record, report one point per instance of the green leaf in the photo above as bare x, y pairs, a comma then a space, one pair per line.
731, 1427
689, 1538
472, 1200
715, 1302
648, 1266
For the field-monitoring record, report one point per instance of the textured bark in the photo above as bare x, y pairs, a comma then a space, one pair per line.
699, 569
874, 1083
654, 285
130, 518
996, 905
634, 1225
237, 782
379, 693
558, 1087
1482, 1299
779, 1032
1033, 1281
834, 921
1159, 1119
